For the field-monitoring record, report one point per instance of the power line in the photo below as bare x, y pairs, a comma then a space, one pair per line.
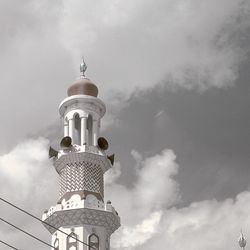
29, 234
6, 244
35, 217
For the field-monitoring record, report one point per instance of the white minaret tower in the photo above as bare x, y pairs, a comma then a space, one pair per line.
81, 163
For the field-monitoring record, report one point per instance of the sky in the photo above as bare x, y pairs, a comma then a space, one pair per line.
174, 75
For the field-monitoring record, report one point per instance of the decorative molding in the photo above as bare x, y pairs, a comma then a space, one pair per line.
83, 216
87, 103
82, 195
81, 158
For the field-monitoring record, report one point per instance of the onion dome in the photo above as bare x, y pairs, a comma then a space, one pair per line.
83, 86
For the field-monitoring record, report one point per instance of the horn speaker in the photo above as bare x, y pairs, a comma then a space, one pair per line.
52, 152
66, 142
102, 143
111, 158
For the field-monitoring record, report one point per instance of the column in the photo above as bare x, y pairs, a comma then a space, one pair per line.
71, 129
84, 134
66, 128
95, 132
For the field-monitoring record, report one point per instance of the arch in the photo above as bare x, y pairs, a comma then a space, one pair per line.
72, 242
77, 129
56, 244
93, 242
91, 201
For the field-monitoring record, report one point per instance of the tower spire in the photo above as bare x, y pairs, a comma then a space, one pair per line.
242, 241
83, 68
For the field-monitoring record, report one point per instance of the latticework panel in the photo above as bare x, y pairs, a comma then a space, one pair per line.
81, 176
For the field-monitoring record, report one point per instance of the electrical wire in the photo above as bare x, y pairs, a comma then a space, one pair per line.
6, 244
25, 232
35, 217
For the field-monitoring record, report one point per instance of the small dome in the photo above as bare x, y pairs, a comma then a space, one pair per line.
83, 86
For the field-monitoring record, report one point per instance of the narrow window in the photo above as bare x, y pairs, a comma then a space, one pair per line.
77, 130
90, 129
56, 243
72, 242
93, 242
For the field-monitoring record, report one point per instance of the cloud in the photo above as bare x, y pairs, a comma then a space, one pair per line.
151, 220
141, 206
25, 167
139, 234
112, 176
204, 225
28, 180
188, 43
128, 46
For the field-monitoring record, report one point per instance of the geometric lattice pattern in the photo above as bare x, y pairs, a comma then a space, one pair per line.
81, 156
81, 176
83, 216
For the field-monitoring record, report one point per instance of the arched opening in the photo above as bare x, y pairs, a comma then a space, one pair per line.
93, 242
56, 243
90, 129
77, 130
72, 241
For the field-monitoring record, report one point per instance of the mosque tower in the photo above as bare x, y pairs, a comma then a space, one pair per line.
81, 214
242, 241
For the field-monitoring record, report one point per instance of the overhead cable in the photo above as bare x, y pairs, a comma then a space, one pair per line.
6, 244
29, 234
35, 217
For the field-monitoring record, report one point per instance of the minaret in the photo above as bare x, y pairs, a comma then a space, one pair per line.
242, 241
81, 163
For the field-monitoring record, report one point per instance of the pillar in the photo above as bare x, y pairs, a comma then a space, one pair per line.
84, 134
71, 129
66, 128
95, 132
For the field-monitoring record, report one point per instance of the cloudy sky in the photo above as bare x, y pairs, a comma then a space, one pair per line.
174, 75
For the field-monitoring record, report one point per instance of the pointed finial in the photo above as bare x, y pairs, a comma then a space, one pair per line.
83, 68
242, 241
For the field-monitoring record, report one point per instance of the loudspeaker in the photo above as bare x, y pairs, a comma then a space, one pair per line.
111, 158
66, 142
102, 143
52, 152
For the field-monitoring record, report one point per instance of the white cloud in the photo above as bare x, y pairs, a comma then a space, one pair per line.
204, 225
111, 177
193, 44
141, 206
150, 219
25, 167
137, 235
28, 180
155, 184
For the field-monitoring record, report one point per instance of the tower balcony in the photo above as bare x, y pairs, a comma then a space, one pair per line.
81, 213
